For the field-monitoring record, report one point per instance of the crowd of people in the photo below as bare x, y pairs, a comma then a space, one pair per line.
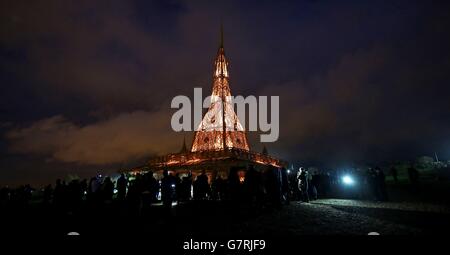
369, 184
273, 187
141, 191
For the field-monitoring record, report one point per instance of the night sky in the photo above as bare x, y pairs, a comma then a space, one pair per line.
86, 85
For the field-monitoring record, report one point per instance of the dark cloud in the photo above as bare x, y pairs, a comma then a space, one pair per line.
126, 137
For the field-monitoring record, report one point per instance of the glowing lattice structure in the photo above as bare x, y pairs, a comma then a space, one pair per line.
220, 129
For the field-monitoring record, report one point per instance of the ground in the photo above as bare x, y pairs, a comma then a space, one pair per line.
352, 217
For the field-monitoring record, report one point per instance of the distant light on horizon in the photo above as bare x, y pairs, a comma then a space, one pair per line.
348, 180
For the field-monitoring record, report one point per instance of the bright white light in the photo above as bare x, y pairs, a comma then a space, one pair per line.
348, 180
173, 185
288, 171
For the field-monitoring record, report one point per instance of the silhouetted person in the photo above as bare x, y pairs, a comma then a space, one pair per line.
167, 189
48, 191
58, 194
74, 195
147, 190
139, 184
133, 199
122, 184
381, 185
251, 185
202, 188
107, 189
372, 181
365, 186
326, 184
413, 175
28, 190
317, 181
179, 188
394, 174
295, 190
302, 178
313, 186
186, 185
254, 187
273, 186
153, 186
234, 185
214, 193
93, 192
196, 189
83, 188
285, 187
219, 188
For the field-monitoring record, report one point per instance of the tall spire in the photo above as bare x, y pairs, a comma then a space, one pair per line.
224, 127
221, 64
221, 35
220, 128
